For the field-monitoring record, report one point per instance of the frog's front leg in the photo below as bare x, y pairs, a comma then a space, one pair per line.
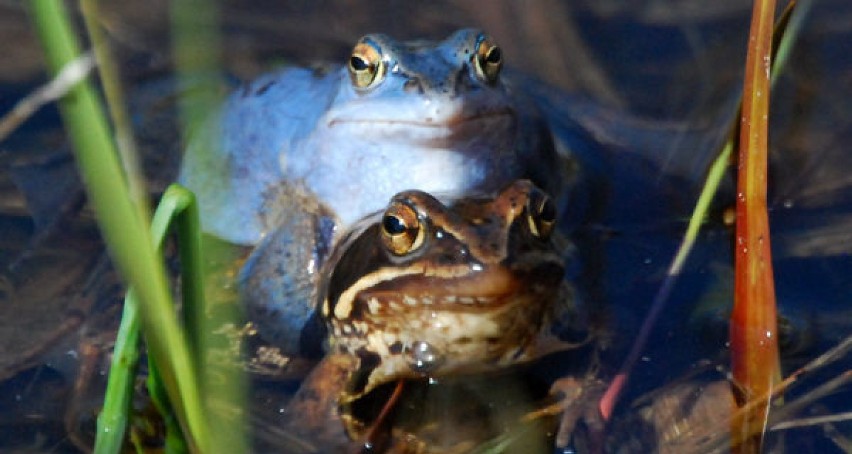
581, 400
580, 424
322, 411
581, 427
278, 283
313, 414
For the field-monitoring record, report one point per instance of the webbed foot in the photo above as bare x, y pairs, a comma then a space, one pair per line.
581, 425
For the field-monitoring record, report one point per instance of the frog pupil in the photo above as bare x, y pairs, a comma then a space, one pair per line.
547, 212
494, 55
393, 225
358, 63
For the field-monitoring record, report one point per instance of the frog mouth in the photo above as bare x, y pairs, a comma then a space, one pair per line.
465, 324
427, 125
442, 325
428, 121
495, 288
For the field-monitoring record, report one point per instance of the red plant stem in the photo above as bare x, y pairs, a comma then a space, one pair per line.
753, 328
370, 439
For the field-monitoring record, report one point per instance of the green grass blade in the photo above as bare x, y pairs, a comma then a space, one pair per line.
223, 382
113, 419
122, 224
110, 81
195, 47
175, 442
177, 208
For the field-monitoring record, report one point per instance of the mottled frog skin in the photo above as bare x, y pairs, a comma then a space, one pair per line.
445, 288
434, 116
435, 289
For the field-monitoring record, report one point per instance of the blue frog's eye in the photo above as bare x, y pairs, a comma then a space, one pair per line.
366, 66
402, 231
487, 60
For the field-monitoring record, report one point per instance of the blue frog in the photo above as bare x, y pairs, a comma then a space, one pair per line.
436, 117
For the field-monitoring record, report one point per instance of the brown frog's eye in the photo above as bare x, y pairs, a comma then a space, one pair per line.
402, 231
366, 67
487, 60
541, 214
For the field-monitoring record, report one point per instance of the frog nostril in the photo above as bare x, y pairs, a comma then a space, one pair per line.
463, 82
447, 259
453, 255
413, 85
258, 91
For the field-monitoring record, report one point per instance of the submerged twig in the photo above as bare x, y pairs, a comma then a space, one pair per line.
70, 75
813, 421
720, 442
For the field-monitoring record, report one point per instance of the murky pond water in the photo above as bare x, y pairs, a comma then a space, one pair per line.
654, 83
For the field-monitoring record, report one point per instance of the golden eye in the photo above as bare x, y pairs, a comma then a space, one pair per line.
402, 231
366, 67
487, 60
541, 214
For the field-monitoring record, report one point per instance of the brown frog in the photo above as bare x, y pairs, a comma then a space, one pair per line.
434, 289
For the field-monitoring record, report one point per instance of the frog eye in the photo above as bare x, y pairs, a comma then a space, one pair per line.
402, 231
487, 60
366, 67
541, 214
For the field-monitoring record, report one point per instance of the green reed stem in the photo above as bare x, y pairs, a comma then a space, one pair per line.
113, 419
122, 223
177, 209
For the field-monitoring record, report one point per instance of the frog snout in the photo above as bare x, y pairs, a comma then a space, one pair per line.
420, 85
414, 85
454, 84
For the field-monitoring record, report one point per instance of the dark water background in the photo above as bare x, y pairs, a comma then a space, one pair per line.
657, 81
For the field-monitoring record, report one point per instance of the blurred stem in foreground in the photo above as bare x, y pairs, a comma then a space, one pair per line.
196, 49
111, 84
124, 229
195, 45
